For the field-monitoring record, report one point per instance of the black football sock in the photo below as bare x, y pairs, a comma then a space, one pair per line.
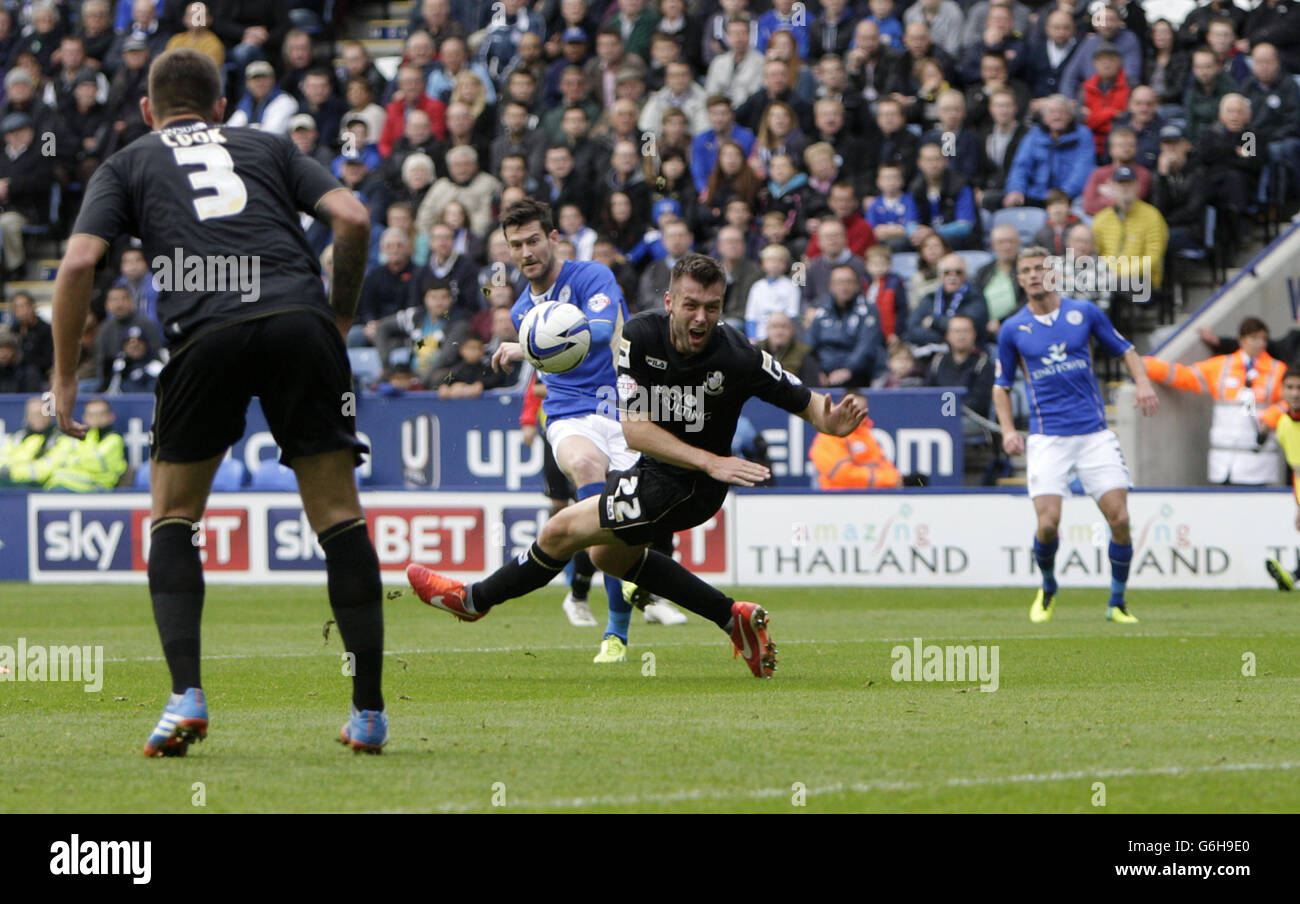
660, 575
521, 575
356, 596
580, 586
176, 588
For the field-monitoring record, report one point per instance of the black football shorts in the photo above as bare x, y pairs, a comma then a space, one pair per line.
555, 483
649, 501
294, 362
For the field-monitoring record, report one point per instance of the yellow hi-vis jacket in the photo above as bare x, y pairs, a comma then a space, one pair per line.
90, 465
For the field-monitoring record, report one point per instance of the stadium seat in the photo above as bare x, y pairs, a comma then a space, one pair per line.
1027, 220
904, 264
366, 365
271, 475
975, 261
231, 475
141, 481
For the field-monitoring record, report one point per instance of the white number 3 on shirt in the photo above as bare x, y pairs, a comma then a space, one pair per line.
218, 171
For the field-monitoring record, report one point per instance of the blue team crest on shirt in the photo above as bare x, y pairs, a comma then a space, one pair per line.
1074, 318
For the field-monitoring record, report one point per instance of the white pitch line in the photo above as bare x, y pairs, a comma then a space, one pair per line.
703, 643
693, 794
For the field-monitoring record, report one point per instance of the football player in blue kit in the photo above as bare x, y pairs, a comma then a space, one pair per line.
580, 405
1050, 339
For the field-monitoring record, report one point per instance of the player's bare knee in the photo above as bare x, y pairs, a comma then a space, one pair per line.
1047, 526
559, 538
587, 469
1119, 528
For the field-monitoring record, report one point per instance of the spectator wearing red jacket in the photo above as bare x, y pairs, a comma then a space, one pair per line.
1105, 95
886, 291
846, 205
410, 96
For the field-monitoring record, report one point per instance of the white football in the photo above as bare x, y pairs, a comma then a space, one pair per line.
555, 336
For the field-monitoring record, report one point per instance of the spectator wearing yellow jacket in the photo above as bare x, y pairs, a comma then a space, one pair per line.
1132, 232
24, 454
94, 463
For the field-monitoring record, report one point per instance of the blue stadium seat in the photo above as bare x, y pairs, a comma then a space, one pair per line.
975, 260
1027, 220
904, 264
366, 365
231, 475
141, 481
271, 475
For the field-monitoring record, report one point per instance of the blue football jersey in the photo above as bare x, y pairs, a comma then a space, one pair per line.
591, 387
1063, 396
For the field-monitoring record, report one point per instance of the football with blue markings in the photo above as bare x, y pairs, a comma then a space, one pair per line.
555, 336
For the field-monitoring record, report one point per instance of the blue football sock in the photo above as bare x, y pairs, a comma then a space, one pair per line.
1045, 556
620, 613
1121, 556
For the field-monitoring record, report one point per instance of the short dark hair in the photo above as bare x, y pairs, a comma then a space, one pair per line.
1250, 326
1292, 370
529, 210
319, 71
703, 269
183, 81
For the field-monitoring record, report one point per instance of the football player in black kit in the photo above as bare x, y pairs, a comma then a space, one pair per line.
664, 358
245, 314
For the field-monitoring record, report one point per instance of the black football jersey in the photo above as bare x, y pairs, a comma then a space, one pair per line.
698, 398
217, 209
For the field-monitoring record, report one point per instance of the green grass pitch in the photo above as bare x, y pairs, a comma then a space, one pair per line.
512, 711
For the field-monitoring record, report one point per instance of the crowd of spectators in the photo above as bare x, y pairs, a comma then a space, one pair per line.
804, 145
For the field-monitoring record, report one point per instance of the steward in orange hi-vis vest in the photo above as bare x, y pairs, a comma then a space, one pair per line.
853, 462
1243, 384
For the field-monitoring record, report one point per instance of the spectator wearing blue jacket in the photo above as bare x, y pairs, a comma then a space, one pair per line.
845, 333
1055, 154
945, 202
784, 17
1110, 32
704, 147
928, 323
892, 213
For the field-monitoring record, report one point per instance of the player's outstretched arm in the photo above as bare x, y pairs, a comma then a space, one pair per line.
1147, 400
1012, 442
351, 224
839, 419
651, 439
72, 288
